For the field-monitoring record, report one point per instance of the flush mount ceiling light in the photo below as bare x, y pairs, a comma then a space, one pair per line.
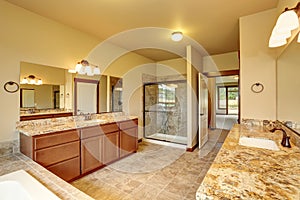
84, 67
177, 36
286, 23
31, 79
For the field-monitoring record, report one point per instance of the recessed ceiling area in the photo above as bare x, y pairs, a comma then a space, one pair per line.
212, 23
156, 54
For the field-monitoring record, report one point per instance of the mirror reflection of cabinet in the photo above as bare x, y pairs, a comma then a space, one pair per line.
27, 98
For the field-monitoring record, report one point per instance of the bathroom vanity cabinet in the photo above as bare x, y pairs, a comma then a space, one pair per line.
128, 137
59, 152
73, 153
99, 146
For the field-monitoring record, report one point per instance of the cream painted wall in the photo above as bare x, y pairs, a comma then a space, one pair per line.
194, 66
257, 65
221, 62
28, 37
171, 67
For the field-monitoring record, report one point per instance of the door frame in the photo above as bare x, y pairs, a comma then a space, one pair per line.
224, 73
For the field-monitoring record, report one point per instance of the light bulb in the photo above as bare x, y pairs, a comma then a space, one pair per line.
24, 81
88, 70
39, 82
96, 70
82, 70
78, 67
177, 36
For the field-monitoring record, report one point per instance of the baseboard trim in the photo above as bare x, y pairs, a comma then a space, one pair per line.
192, 149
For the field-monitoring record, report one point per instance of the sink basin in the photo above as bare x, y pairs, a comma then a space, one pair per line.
258, 143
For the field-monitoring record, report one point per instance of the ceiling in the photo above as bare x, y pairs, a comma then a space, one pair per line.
211, 23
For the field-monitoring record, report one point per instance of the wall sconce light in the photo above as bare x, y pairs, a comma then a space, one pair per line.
177, 36
31, 79
84, 67
286, 23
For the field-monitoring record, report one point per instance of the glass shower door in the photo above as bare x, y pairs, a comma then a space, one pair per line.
165, 111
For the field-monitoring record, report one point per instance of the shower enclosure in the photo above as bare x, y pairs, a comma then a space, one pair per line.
165, 111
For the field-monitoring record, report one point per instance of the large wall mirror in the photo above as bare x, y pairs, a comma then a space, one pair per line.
58, 89
288, 84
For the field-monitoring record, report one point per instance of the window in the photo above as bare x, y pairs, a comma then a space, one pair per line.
166, 95
228, 99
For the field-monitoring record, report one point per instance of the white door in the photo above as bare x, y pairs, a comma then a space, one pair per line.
86, 98
203, 110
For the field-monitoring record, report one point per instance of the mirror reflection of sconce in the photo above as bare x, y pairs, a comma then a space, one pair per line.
11, 87
31, 79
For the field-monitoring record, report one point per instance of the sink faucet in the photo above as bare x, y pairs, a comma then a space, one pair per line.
285, 142
88, 116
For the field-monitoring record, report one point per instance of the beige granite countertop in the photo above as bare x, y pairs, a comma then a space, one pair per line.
241, 172
44, 126
59, 187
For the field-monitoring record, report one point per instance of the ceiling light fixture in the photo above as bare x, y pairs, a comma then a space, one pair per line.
177, 36
84, 67
286, 23
31, 79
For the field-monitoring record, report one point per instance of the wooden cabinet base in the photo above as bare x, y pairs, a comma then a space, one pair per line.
72, 154
67, 170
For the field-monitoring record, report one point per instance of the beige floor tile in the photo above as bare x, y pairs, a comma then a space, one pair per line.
156, 173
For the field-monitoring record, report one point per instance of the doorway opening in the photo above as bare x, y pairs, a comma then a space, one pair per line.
224, 108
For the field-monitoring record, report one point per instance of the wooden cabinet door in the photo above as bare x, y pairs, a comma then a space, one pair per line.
110, 147
91, 153
55, 154
67, 170
128, 141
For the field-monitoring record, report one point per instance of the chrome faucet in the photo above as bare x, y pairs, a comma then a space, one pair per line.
285, 142
88, 116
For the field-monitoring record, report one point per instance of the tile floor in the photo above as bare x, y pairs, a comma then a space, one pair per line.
155, 172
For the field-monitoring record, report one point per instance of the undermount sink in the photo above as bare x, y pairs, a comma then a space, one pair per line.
258, 143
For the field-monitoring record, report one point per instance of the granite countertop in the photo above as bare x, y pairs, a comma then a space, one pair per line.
44, 126
59, 187
241, 172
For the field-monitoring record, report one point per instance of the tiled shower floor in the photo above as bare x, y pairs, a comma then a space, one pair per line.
155, 172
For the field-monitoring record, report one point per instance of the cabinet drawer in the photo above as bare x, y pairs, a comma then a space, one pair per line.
44, 141
92, 131
108, 128
66, 170
128, 124
55, 154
